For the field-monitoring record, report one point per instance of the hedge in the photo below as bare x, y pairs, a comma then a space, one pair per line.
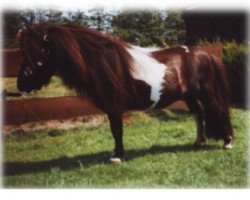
235, 61
234, 57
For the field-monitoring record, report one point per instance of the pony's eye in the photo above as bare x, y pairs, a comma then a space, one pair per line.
28, 71
39, 63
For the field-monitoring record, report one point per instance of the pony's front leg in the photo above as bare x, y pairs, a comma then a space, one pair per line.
116, 126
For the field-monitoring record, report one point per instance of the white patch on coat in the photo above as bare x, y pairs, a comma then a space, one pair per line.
147, 50
148, 70
185, 47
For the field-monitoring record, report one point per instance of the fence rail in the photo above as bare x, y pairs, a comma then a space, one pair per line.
11, 62
42, 109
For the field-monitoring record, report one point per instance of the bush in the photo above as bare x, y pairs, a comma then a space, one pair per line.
234, 57
235, 60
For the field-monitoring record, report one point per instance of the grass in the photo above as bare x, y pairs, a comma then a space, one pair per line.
54, 89
159, 154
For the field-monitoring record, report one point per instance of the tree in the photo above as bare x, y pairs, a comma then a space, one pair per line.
142, 28
54, 16
100, 19
75, 18
147, 28
12, 22
174, 28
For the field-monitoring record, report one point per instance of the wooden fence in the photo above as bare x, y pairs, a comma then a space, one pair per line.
31, 110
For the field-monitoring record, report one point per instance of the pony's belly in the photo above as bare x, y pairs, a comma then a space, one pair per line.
140, 99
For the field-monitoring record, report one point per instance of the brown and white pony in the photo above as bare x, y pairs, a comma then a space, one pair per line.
118, 77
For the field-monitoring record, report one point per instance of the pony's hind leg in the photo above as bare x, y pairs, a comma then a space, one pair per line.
217, 122
196, 110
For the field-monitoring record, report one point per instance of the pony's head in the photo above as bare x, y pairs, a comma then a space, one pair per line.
37, 59
43, 48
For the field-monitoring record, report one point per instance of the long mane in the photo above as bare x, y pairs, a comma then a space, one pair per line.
91, 61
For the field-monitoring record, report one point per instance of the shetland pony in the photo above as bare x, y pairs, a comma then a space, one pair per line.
118, 77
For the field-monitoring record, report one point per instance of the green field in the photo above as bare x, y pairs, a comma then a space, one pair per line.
159, 154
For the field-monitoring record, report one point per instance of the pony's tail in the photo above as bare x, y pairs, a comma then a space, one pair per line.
216, 106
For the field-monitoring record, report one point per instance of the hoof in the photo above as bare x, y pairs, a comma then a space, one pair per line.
115, 160
228, 146
228, 143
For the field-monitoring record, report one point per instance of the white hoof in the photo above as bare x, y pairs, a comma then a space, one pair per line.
228, 146
115, 160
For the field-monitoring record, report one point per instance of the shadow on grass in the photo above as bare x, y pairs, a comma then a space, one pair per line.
166, 115
66, 163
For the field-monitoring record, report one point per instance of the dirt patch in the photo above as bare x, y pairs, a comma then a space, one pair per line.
86, 121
